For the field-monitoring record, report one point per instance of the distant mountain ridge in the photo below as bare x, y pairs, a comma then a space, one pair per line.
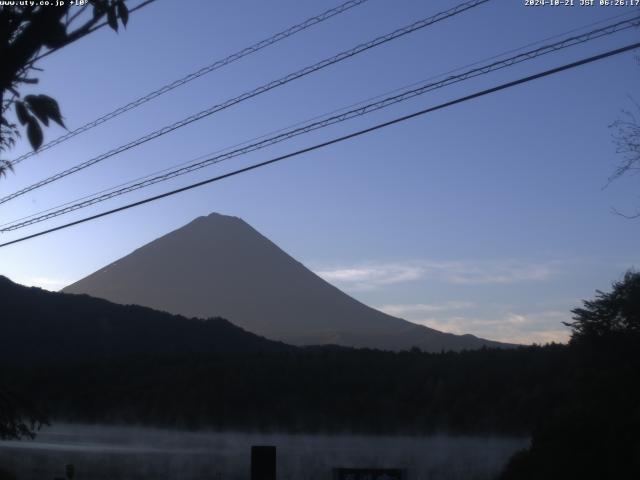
41, 326
220, 266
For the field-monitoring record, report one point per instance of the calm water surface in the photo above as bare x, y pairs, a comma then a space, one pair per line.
101, 452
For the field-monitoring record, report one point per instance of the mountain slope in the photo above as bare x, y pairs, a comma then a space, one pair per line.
220, 266
38, 325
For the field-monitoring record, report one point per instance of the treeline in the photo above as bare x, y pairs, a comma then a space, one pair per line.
315, 389
40, 327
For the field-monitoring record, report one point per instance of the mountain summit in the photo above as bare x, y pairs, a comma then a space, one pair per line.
220, 266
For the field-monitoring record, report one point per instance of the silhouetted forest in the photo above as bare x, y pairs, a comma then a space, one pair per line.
315, 389
39, 326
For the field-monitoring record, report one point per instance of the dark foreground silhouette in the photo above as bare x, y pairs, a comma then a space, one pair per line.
593, 433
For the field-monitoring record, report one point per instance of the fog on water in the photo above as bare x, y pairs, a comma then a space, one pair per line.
126, 453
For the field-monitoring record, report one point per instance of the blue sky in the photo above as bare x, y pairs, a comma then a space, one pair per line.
489, 217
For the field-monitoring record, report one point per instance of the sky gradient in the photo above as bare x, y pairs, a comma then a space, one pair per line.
489, 217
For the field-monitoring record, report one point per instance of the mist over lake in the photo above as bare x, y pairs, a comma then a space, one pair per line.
129, 452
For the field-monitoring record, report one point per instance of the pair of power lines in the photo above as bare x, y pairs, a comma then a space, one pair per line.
340, 57
417, 90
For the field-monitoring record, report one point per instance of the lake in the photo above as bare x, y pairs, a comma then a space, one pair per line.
116, 452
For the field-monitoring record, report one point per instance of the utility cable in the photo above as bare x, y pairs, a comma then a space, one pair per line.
247, 95
312, 126
318, 146
192, 76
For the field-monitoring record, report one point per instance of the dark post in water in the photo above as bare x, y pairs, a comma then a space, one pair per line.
263, 463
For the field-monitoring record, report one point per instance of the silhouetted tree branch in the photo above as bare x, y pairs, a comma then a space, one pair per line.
26, 34
627, 141
626, 138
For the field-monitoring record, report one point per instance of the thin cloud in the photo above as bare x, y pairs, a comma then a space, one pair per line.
371, 276
412, 309
487, 272
539, 327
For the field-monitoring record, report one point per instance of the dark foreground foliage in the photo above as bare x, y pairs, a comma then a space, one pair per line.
594, 432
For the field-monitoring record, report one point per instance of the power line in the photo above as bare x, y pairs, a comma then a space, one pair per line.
342, 109
247, 95
192, 76
316, 117
339, 139
312, 126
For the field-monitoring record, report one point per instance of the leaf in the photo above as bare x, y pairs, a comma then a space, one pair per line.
22, 113
54, 34
123, 12
54, 111
5, 166
112, 18
45, 106
98, 8
38, 108
34, 133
